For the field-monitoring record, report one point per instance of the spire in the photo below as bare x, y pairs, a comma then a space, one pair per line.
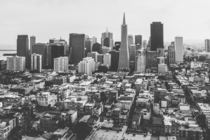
124, 18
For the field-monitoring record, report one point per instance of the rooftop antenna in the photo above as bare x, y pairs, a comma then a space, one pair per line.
106, 32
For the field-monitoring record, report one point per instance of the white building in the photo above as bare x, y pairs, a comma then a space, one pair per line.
141, 60
162, 68
46, 98
16, 63
207, 45
179, 50
87, 66
107, 59
36, 62
61, 64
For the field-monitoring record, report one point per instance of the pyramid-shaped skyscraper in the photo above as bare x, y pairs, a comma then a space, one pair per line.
124, 52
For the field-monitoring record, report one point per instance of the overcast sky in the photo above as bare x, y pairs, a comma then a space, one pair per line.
57, 18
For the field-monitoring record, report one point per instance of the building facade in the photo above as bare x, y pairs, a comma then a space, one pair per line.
40, 48
16, 63
114, 60
61, 64
171, 54
36, 62
107, 59
156, 36
179, 50
107, 39
207, 45
141, 60
23, 48
77, 44
86, 66
151, 61
138, 41
124, 52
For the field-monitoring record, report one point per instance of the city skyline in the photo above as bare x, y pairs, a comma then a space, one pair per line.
57, 23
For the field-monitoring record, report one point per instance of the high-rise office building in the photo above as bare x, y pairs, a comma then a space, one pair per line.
132, 56
23, 48
141, 60
156, 36
36, 62
100, 58
93, 55
61, 64
171, 54
138, 41
107, 60
114, 60
179, 50
132, 52
77, 43
88, 47
130, 40
151, 61
207, 45
107, 39
32, 42
124, 53
86, 66
40, 48
117, 45
97, 48
16, 63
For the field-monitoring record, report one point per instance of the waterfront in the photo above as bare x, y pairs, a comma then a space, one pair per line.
6, 52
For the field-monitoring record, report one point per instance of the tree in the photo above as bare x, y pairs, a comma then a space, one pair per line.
82, 130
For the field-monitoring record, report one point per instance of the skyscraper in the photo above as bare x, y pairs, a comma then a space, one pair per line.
40, 48
207, 45
23, 48
132, 56
97, 48
107, 39
114, 60
36, 62
138, 41
88, 47
16, 63
124, 53
77, 43
156, 36
32, 42
179, 50
141, 60
93, 55
171, 54
130, 40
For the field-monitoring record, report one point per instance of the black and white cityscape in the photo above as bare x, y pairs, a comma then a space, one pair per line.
137, 80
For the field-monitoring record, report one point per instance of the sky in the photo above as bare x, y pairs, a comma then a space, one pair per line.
47, 19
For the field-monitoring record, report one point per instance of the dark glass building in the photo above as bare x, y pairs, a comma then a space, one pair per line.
117, 45
138, 41
114, 60
77, 43
156, 36
23, 48
107, 42
87, 46
97, 48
